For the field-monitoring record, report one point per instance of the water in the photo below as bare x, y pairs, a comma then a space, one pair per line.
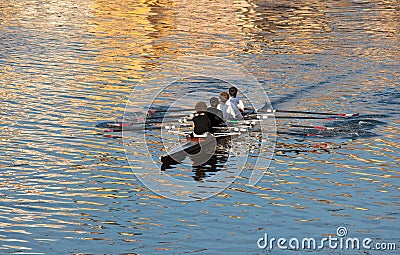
67, 65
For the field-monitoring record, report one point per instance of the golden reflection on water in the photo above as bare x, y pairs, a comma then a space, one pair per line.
126, 35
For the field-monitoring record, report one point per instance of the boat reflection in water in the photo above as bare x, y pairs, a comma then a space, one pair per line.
207, 156
213, 165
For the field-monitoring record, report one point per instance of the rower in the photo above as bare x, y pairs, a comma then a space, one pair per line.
201, 122
229, 111
235, 100
215, 115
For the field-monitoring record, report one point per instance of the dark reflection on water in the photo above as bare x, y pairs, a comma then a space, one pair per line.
67, 65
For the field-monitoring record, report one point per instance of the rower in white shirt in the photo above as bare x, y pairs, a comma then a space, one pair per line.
235, 100
229, 110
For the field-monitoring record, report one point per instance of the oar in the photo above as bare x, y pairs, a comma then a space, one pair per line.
303, 117
179, 132
130, 128
315, 127
271, 115
166, 117
315, 113
339, 129
295, 133
153, 111
237, 128
216, 135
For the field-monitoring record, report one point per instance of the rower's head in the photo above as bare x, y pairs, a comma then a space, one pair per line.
200, 107
223, 96
233, 91
214, 102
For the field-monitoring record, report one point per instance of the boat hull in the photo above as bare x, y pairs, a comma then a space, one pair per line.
179, 153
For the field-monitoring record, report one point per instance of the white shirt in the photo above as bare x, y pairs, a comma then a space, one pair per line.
237, 102
229, 111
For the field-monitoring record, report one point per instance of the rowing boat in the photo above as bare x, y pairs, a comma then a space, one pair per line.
201, 149
154, 119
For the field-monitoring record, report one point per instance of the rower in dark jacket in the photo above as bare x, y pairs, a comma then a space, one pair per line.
201, 122
215, 115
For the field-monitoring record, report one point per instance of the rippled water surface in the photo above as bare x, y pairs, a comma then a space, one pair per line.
67, 65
